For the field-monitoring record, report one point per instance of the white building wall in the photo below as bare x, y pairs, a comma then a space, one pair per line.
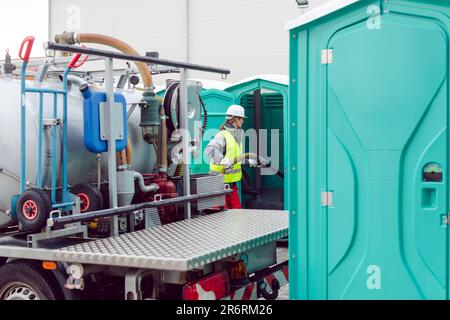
247, 37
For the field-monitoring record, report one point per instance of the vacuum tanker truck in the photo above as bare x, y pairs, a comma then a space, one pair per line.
96, 196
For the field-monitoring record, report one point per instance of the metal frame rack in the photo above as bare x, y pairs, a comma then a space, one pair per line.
108, 56
68, 202
66, 198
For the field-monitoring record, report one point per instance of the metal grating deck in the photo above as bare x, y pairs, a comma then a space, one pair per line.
184, 245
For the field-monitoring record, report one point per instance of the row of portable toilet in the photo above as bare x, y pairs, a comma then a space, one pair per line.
272, 91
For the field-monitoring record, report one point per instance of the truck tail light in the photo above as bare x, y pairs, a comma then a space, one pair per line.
237, 272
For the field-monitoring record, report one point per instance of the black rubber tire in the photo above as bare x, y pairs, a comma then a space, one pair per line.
43, 206
167, 107
29, 273
95, 198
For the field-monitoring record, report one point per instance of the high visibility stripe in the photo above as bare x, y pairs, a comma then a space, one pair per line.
228, 171
233, 151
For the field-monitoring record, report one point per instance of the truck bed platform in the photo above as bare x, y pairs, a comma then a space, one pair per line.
180, 246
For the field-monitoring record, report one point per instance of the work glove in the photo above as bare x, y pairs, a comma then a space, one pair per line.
253, 163
226, 164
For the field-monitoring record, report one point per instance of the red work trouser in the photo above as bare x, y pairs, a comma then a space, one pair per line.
232, 200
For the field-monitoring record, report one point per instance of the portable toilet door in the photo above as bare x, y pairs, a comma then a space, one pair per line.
271, 93
369, 98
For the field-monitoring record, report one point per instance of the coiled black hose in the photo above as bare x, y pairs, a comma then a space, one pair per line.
167, 104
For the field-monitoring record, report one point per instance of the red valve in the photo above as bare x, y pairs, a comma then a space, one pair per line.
74, 64
30, 42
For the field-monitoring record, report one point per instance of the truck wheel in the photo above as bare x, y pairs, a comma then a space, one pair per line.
33, 209
90, 197
27, 281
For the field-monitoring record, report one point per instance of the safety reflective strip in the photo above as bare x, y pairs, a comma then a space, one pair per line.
227, 172
286, 273
233, 151
280, 276
249, 292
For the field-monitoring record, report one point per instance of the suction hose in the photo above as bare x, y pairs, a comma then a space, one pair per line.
73, 38
244, 157
255, 157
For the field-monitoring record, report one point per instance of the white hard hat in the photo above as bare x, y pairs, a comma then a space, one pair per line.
236, 111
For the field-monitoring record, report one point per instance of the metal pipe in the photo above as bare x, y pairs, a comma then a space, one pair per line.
186, 142
112, 170
144, 188
99, 170
65, 138
131, 110
55, 116
23, 130
42, 72
63, 205
162, 155
258, 126
75, 80
14, 177
86, 217
121, 56
40, 139
55, 61
44, 90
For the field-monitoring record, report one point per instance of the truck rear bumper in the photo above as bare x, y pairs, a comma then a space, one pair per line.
265, 286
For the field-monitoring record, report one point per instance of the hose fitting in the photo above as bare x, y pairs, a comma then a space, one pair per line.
150, 188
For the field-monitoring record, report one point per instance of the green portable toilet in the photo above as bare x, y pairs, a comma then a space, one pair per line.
368, 161
270, 92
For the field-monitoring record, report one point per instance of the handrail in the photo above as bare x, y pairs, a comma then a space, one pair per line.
121, 56
85, 217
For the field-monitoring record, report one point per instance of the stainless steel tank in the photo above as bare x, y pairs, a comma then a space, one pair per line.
82, 165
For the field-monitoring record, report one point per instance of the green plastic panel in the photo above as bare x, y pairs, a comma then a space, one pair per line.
216, 103
273, 108
371, 169
274, 104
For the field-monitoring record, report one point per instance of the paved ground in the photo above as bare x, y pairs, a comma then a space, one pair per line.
282, 255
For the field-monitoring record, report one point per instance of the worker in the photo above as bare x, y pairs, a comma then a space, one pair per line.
225, 148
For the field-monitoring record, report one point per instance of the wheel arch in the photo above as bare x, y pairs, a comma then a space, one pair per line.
53, 277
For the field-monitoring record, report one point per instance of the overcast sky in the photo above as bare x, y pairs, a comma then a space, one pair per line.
21, 18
